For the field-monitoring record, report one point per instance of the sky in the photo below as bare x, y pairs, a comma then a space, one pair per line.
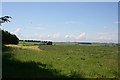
63, 21
60, 0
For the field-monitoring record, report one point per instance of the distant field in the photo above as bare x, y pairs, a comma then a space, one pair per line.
60, 61
68, 43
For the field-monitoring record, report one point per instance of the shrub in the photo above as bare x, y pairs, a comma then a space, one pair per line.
49, 43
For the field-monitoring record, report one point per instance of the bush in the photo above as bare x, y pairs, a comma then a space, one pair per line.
8, 38
49, 43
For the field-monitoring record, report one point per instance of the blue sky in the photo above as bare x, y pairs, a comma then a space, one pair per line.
63, 21
60, 0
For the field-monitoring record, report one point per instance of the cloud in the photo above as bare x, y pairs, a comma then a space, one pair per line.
66, 36
107, 36
81, 35
71, 22
46, 37
17, 30
39, 36
117, 22
39, 28
92, 37
56, 35
73, 37
103, 37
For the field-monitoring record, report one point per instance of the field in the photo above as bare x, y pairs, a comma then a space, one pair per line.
27, 60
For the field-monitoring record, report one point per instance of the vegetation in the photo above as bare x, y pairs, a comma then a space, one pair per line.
5, 19
60, 61
36, 41
8, 38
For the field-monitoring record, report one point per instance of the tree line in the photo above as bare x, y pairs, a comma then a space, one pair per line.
41, 42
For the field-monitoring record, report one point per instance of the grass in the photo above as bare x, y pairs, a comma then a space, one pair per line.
33, 47
60, 61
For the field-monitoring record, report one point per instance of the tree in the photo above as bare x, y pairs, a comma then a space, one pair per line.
4, 19
8, 38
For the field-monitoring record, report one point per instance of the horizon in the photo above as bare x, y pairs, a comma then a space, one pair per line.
71, 41
63, 22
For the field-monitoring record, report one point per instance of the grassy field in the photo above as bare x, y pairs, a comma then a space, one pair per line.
60, 61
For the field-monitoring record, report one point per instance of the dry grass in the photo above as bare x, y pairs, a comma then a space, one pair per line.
24, 47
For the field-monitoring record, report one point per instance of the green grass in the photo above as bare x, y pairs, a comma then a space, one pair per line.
61, 61
28, 43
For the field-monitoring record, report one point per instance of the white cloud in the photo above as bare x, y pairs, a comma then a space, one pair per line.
66, 36
55, 35
74, 37
71, 22
81, 35
103, 37
40, 28
40, 24
96, 37
107, 36
17, 30
117, 22
48, 35
39, 36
